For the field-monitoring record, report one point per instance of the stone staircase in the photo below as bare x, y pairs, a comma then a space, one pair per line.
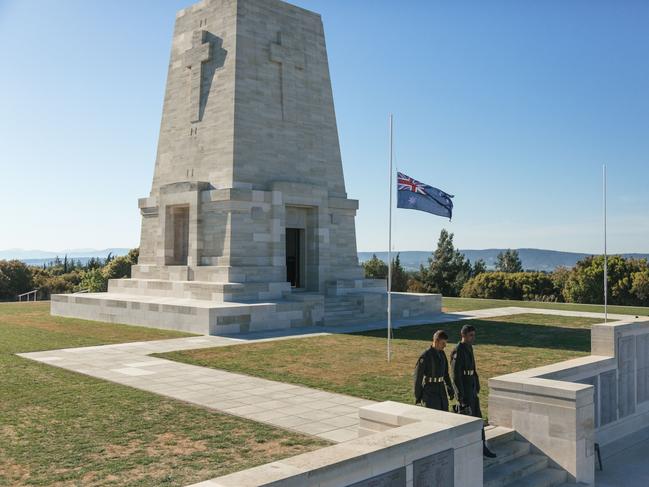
518, 465
343, 310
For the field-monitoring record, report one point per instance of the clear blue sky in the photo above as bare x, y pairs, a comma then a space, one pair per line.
511, 106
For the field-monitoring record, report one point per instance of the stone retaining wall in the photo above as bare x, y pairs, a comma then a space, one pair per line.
401, 446
564, 408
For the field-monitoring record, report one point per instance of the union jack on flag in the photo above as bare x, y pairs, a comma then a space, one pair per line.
406, 183
415, 195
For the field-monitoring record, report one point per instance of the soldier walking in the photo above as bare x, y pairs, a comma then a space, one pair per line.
433, 384
466, 380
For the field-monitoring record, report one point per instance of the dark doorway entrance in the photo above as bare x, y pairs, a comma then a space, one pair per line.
180, 222
294, 257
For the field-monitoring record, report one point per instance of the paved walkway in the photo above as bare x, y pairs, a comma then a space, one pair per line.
627, 466
330, 416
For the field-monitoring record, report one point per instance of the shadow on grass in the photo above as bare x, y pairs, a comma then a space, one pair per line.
490, 332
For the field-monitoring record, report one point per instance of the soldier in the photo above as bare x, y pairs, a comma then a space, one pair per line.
466, 380
431, 375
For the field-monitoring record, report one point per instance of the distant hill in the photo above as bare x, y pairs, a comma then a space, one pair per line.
40, 257
532, 259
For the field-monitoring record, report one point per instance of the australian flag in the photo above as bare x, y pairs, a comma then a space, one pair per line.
419, 196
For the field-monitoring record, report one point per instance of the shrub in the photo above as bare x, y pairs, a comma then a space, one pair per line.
375, 268
92, 280
121, 266
15, 278
529, 286
55, 284
586, 281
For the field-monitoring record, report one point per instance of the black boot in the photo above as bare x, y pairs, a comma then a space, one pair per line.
487, 452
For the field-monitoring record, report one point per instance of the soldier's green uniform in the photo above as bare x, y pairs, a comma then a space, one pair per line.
433, 374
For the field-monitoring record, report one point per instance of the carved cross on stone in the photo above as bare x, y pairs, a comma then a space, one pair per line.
289, 54
199, 53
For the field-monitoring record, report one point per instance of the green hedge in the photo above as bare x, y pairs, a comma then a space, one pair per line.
530, 286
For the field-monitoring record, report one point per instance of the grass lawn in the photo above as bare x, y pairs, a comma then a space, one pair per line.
468, 304
62, 428
356, 363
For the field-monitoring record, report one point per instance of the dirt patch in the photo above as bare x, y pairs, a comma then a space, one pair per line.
117, 451
170, 443
15, 473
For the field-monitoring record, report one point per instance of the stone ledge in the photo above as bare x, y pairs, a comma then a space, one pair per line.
578, 393
426, 433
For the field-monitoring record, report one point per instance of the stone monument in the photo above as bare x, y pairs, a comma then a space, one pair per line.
248, 225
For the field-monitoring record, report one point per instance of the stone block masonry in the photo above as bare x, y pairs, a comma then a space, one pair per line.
402, 446
564, 409
248, 225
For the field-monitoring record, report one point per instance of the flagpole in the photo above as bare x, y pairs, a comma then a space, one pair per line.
605, 249
390, 247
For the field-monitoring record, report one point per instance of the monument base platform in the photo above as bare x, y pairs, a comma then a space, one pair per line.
345, 303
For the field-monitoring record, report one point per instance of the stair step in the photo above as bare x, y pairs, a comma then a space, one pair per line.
348, 311
499, 434
344, 321
506, 473
506, 451
549, 477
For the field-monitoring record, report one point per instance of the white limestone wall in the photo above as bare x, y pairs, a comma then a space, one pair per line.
400, 442
564, 408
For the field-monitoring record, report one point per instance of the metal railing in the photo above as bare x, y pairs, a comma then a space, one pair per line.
28, 295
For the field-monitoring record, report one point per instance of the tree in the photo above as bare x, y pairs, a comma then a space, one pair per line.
640, 286
479, 267
560, 277
375, 268
93, 263
447, 269
399, 276
93, 280
48, 284
509, 261
119, 267
15, 278
586, 281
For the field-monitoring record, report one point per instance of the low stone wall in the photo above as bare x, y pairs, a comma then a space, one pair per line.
201, 317
401, 445
564, 408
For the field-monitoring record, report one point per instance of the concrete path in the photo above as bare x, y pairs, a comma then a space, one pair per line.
326, 415
330, 416
628, 468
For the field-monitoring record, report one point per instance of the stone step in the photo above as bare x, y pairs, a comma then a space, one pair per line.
548, 477
573, 484
507, 473
340, 302
498, 434
506, 451
346, 287
341, 316
343, 309
192, 315
200, 290
342, 321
